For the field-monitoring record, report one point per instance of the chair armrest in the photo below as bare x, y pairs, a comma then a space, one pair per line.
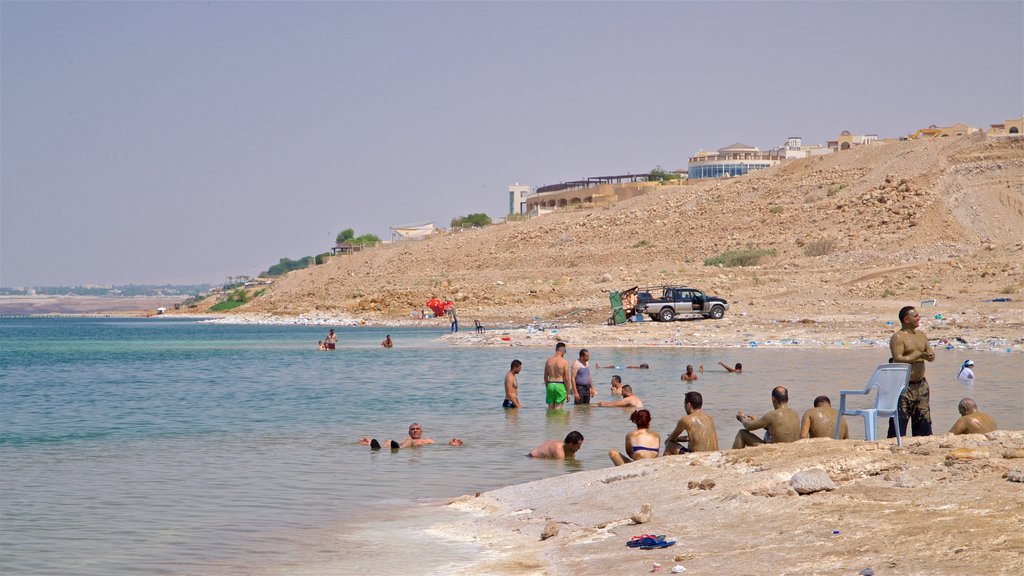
849, 392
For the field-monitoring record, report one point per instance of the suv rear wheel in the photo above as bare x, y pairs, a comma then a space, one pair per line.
667, 315
717, 312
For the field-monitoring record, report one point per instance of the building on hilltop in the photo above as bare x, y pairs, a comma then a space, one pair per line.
597, 191
794, 149
735, 160
517, 194
1014, 127
933, 131
846, 140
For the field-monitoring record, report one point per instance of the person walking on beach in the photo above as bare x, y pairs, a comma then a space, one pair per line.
579, 379
331, 342
559, 450
556, 378
640, 443
966, 371
699, 426
910, 346
783, 423
688, 376
512, 386
454, 317
820, 421
629, 400
971, 420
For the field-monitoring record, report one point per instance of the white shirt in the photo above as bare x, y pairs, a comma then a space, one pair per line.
966, 373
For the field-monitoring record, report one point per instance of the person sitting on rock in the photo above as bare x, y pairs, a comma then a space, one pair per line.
698, 425
640, 443
820, 421
783, 423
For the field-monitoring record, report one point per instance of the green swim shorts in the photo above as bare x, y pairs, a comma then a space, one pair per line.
556, 393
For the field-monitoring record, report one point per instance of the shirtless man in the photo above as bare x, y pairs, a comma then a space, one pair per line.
910, 346
783, 423
579, 379
512, 386
559, 450
688, 376
388, 343
331, 342
820, 421
699, 427
738, 369
616, 389
629, 400
556, 378
971, 420
414, 439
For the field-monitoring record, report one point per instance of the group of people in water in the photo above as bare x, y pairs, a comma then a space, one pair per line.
696, 430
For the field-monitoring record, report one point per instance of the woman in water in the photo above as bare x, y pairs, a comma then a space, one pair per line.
640, 443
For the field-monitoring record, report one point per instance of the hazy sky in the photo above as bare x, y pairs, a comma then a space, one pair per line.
147, 142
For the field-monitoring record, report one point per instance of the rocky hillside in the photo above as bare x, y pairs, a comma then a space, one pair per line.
884, 224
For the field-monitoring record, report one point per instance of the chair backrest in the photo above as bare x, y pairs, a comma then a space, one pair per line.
890, 379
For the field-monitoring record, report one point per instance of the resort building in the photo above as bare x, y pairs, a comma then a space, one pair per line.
596, 191
933, 131
846, 140
735, 160
517, 194
1013, 127
794, 148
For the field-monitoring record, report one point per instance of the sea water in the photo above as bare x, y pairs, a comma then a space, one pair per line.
163, 446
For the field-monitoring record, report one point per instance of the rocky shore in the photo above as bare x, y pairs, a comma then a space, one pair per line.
936, 505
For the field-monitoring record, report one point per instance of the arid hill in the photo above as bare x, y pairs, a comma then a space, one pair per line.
866, 230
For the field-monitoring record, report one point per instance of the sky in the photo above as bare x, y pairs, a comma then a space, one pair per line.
185, 142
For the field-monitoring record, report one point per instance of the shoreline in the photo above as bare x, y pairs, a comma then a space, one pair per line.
841, 331
884, 497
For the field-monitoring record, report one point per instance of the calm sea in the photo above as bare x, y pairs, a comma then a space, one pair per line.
165, 446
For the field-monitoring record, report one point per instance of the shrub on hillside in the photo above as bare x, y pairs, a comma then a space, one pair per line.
735, 258
819, 247
286, 265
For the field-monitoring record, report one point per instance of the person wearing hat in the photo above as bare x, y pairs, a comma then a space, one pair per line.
966, 371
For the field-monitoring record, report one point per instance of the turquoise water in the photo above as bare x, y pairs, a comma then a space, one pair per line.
165, 446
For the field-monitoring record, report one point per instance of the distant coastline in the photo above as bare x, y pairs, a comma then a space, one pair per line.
84, 305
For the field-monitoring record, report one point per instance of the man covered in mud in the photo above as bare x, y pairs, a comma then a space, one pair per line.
820, 421
699, 427
972, 421
783, 423
910, 346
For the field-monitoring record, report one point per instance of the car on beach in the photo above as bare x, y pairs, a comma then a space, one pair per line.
667, 303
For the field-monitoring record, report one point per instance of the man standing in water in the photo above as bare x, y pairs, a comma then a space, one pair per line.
910, 346
512, 386
580, 379
556, 378
331, 342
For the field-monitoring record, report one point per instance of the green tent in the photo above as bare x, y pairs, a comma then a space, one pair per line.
618, 314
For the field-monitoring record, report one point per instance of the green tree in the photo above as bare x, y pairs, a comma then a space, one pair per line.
366, 239
659, 174
475, 220
345, 235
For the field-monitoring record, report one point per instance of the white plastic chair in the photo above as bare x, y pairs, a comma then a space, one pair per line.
890, 380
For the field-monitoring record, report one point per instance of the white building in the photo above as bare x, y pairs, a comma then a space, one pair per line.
517, 198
